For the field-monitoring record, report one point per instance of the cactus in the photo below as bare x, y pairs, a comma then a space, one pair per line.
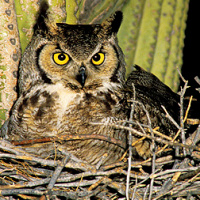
96, 11
26, 15
71, 9
151, 35
9, 57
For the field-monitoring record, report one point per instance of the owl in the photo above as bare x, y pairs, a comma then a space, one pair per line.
72, 82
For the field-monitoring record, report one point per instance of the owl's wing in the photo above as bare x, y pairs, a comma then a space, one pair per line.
150, 91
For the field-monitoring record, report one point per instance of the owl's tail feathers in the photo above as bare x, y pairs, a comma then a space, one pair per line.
42, 15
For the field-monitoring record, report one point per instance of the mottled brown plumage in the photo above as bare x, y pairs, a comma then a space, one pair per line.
72, 81
153, 94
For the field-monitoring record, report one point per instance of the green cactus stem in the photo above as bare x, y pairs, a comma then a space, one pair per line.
152, 36
57, 10
71, 9
129, 31
26, 15
96, 11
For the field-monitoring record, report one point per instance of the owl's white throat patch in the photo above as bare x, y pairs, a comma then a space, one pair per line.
65, 95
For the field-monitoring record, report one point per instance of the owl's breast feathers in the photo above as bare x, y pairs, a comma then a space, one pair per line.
55, 110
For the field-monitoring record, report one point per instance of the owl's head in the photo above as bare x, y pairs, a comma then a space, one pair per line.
77, 56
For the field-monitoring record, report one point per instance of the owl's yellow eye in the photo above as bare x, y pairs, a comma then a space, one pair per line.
98, 59
60, 58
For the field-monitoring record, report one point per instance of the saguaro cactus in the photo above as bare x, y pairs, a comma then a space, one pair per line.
9, 57
151, 35
26, 14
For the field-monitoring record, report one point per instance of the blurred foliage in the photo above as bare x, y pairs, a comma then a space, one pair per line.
151, 35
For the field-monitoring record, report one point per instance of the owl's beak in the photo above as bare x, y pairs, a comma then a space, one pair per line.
81, 76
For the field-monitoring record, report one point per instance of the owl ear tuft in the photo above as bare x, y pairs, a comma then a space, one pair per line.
112, 24
44, 23
41, 18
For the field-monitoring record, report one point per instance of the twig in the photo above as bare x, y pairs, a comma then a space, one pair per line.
57, 172
10, 192
145, 193
130, 145
183, 90
120, 188
188, 109
193, 138
153, 171
77, 184
170, 118
135, 188
41, 161
169, 171
177, 169
153, 147
144, 180
167, 185
138, 133
176, 190
177, 126
129, 167
70, 137
7, 146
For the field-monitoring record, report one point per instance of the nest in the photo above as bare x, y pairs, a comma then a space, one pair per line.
172, 172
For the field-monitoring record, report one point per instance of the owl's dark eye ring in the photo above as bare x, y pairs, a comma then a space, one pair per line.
98, 58
60, 58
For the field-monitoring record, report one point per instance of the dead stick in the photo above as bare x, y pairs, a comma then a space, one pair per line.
55, 176
57, 172
21, 191
44, 162
70, 138
130, 145
138, 133
169, 171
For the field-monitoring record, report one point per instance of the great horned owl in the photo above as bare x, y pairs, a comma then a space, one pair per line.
72, 81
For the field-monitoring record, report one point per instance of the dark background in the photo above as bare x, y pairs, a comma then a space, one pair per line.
191, 51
